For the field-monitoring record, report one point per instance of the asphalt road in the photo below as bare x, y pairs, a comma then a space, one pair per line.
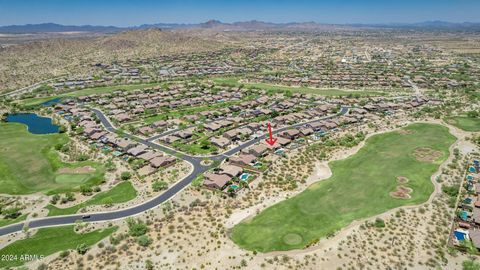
198, 169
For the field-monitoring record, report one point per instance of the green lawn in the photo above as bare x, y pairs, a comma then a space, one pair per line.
359, 188
88, 91
29, 163
466, 123
120, 193
5, 222
232, 81
50, 240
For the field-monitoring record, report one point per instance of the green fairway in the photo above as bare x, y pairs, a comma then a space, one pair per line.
122, 192
359, 187
465, 123
88, 91
304, 90
29, 163
50, 240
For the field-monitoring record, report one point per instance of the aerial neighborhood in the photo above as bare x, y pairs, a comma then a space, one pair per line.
239, 145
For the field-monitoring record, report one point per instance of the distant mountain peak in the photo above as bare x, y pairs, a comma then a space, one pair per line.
240, 26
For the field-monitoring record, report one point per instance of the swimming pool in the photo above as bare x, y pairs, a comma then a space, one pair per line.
472, 170
459, 235
244, 176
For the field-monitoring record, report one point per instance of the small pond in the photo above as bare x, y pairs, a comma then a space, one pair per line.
51, 102
35, 124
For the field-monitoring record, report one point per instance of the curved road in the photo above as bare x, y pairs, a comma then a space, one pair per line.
198, 168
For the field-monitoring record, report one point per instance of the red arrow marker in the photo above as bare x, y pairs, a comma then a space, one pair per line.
270, 140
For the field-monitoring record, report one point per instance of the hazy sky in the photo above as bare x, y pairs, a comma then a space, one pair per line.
135, 12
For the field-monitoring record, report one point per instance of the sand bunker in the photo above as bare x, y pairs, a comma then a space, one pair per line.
426, 154
402, 179
402, 192
79, 170
405, 131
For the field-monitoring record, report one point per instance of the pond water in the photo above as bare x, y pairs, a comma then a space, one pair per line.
35, 124
51, 102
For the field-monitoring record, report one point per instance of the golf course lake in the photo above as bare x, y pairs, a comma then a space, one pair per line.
35, 124
51, 102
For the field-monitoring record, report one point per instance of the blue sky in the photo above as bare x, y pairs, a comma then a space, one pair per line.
135, 12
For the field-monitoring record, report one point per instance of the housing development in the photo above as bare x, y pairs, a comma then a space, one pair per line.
247, 145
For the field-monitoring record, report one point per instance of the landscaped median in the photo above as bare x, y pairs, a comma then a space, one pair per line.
48, 241
363, 185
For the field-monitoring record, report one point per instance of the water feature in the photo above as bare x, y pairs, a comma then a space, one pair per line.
51, 102
35, 124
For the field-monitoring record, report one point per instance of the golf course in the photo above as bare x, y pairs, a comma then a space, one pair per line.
392, 169
29, 163
234, 82
46, 242
471, 124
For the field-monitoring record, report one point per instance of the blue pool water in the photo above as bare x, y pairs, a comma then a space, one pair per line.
459, 235
51, 102
35, 124
472, 170
244, 176
463, 215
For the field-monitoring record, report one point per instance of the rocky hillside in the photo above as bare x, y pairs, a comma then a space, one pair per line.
25, 64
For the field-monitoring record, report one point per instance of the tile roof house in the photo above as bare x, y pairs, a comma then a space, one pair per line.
243, 159
162, 161
98, 135
475, 237
217, 181
221, 142
291, 134
230, 170
258, 150
137, 150
160, 123
146, 130
149, 155
125, 143
212, 126
305, 131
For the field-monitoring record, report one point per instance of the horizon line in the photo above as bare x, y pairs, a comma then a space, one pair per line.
252, 20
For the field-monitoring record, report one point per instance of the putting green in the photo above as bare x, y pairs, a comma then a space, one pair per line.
359, 187
72, 178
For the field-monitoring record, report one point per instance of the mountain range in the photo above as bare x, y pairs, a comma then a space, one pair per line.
236, 26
